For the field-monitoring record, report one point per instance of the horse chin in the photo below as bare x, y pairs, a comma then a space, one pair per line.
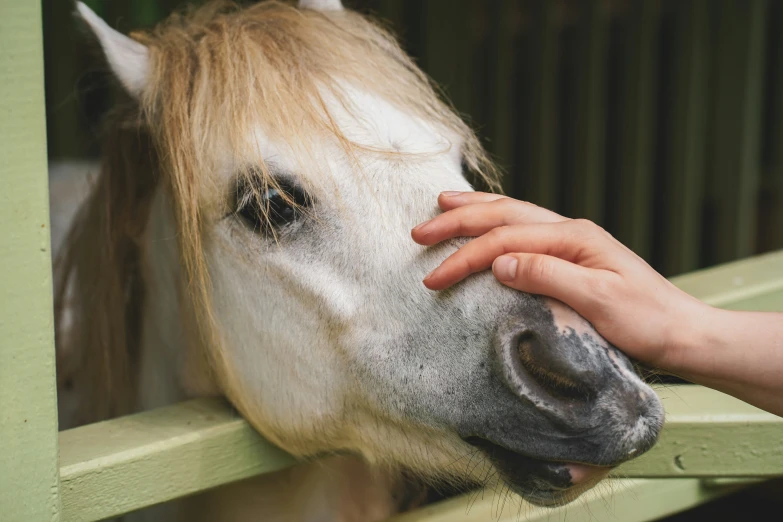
540, 482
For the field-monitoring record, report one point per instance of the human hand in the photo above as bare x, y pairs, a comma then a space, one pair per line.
575, 261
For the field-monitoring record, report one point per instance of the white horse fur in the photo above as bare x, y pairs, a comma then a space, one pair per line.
335, 347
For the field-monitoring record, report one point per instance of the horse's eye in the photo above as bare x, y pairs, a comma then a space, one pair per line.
271, 207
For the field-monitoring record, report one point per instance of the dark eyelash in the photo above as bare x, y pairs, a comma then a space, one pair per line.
269, 206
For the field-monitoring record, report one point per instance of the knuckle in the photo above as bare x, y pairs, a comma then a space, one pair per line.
504, 204
471, 264
538, 268
497, 233
452, 222
500, 200
587, 229
464, 261
515, 206
583, 225
460, 222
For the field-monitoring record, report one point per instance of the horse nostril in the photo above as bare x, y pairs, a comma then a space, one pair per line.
537, 361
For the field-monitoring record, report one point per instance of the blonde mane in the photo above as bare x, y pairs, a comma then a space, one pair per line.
217, 72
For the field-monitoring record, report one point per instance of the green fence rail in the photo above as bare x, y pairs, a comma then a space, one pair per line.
163, 454
117, 466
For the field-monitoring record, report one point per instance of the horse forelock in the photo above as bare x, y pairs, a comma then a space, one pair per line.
217, 73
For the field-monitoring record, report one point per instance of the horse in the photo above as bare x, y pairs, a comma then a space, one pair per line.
248, 236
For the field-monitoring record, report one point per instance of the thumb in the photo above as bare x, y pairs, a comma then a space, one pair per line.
545, 275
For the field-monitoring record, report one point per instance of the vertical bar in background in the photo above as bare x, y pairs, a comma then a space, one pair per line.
393, 12
455, 57
735, 131
585, 197
636, 135
139, 14
447, 51
684, 172
505, 19
540, 167
66, 136
413, 20
772, 177
29, 472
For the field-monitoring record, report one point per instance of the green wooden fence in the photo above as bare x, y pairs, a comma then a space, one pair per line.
29, 475
711, 445
113, 467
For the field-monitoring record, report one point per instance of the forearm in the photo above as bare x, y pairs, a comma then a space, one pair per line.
739, 353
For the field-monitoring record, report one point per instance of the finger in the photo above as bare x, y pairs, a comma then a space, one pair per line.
568, 240
449, 200
550, 276
479, 218
479, 253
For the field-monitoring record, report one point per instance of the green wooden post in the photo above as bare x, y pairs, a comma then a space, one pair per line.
29, 479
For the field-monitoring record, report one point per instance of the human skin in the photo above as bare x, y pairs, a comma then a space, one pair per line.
575, 261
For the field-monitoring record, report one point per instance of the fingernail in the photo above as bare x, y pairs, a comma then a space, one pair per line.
450, 193
505, 268
428, 276
420, 226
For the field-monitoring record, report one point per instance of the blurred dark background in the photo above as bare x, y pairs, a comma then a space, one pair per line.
662, 120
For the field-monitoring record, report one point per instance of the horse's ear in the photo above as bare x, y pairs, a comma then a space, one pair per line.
128, 59
321, 5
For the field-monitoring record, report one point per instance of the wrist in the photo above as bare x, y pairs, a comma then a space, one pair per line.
689, 336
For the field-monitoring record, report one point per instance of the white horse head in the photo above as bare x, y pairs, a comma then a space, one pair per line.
265, 175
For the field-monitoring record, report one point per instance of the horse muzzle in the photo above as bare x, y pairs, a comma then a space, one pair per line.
566, 407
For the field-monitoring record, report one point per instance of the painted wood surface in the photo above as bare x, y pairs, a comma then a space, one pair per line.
741, 281
28, 407
117, 466
710, 434
129, 463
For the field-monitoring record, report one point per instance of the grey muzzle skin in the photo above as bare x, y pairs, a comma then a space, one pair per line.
505, 372
558, 397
